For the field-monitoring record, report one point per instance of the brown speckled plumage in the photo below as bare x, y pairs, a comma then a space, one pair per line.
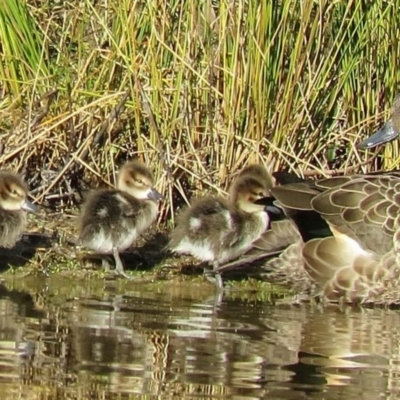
217, 230
112, 219
13, 206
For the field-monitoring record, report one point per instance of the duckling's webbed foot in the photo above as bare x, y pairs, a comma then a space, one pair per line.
119, 267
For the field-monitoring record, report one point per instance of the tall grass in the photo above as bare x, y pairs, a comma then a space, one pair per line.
195, 89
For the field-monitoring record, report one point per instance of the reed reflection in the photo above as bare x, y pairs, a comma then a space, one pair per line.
179, 342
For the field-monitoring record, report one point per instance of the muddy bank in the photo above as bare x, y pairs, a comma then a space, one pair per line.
48, 253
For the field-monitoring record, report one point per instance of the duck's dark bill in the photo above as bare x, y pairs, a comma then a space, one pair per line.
386, 134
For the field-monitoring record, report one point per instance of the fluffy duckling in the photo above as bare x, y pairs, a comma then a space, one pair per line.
257, 171
111, 220
13, 204
217, 230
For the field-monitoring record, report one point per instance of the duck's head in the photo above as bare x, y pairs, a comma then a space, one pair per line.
388, 132
13, 193
246, 190
136, 179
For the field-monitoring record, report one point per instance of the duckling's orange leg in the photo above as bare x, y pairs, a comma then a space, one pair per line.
119, 267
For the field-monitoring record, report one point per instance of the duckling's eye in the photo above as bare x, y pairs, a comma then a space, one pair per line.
14, 192
258, 194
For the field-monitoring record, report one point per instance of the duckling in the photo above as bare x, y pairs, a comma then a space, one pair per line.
111, 220
259, 172
13, 204
217, 230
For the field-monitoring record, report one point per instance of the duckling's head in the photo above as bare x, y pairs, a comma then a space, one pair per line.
246, 190
136, 179
13, 193
259, 172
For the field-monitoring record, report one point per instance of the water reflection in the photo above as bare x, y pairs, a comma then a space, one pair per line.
60, 339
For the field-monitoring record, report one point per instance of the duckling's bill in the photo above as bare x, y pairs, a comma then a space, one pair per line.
154, 194
28, 206
271, 207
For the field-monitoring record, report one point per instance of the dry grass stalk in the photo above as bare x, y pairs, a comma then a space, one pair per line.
195, 90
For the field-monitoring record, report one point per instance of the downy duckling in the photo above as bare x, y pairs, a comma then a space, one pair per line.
13, 204
217, 230
112, 219
259, 172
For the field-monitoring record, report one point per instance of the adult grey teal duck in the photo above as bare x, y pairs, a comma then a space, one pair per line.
359, 262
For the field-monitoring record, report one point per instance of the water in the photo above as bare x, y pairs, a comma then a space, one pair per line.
62, 339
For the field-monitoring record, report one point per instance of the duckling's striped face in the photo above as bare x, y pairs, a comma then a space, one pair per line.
136, 180
246, 190
13, 192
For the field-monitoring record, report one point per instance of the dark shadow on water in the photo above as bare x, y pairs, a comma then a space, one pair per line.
306, 374
24, 303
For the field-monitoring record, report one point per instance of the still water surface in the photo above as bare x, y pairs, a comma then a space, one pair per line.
62, 339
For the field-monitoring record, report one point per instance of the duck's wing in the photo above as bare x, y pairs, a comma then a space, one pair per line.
356, 206
360, 261
343, 271
363, 208
296, 199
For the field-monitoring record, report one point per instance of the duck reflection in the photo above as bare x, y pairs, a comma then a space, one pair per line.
304, 349
179, 342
